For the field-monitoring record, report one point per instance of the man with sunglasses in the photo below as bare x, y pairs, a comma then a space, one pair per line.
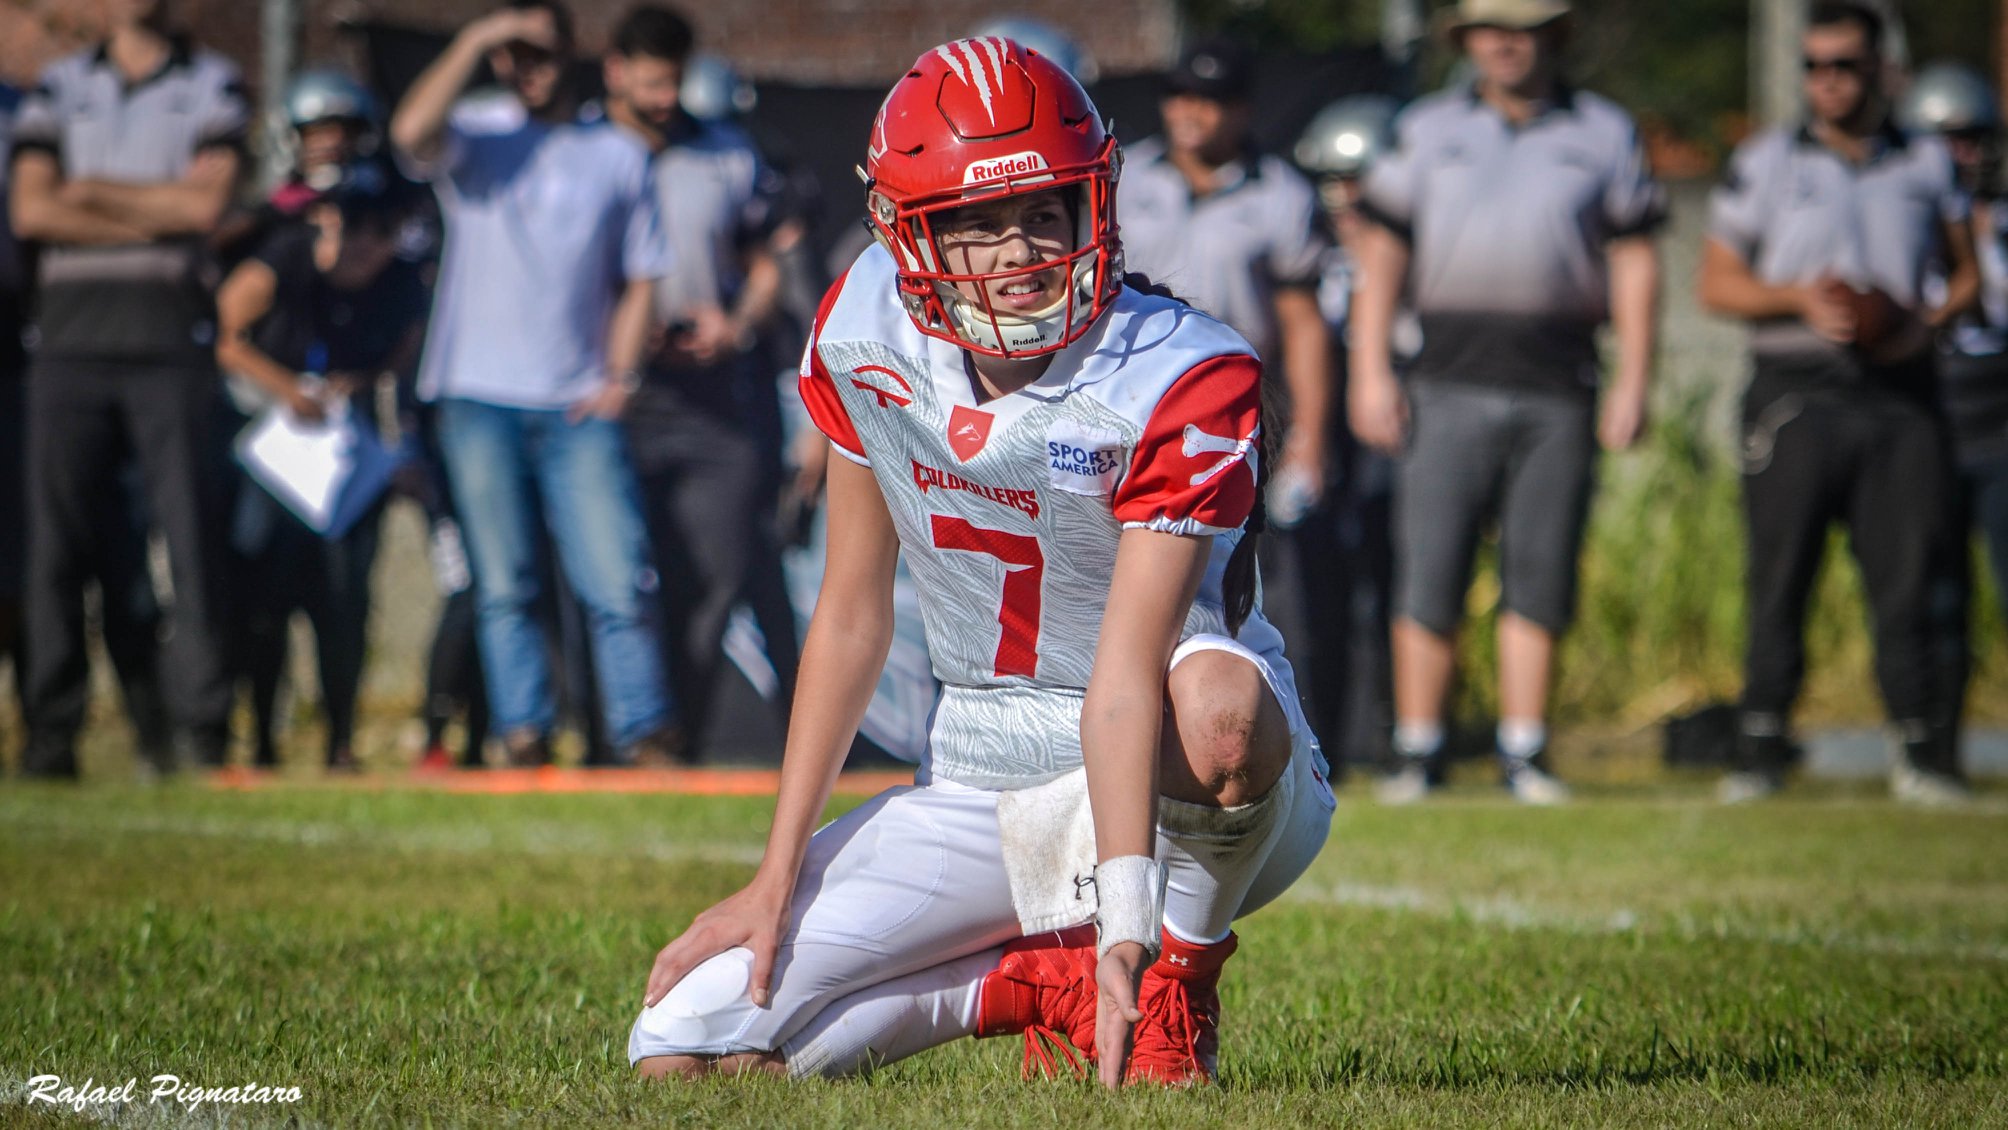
1822, 237
553, 246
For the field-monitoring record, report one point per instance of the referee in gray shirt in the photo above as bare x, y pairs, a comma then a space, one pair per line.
1518, 214
124, 157
1821, 238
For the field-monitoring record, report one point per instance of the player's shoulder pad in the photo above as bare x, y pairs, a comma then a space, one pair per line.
1143, 345
864, 305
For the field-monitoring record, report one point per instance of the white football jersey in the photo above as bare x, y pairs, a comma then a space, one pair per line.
1009, 512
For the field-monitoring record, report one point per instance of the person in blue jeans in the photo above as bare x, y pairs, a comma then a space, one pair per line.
553, 243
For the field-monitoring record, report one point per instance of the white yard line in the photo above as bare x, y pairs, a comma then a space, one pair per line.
1514, 914
545, 839
553, 839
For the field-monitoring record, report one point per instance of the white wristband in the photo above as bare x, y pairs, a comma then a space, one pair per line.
1129, 892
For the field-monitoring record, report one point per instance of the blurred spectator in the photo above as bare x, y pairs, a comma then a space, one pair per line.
1822, 236
1959, 105
553, 245
333, 122
317, 318
704, 427
13, 463
1239, 235
1517, 212
453, 684
123, 159
1344, 540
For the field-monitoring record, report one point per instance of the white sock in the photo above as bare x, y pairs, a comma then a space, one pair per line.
1418, 739
893, 1019
1522, 738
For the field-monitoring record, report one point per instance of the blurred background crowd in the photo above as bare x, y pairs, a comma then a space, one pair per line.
544, 278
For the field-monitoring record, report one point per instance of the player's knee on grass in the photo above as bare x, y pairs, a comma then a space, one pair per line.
673, 1066
1226, 739
700, 1018
698, 1066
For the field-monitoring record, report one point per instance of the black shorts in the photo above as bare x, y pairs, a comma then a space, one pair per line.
1526, 458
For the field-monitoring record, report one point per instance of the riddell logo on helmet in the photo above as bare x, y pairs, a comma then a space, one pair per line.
1030, 161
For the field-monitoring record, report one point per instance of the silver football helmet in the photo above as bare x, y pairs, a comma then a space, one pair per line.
321, 94
1949, 98
1345, 138
713, 91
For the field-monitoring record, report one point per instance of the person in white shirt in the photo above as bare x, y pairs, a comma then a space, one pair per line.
553, 246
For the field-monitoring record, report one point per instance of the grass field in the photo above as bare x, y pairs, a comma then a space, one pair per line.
416, 958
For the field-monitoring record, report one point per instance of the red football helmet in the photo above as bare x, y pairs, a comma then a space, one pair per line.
973, 120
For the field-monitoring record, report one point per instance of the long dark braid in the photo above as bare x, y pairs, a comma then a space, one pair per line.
1238, 585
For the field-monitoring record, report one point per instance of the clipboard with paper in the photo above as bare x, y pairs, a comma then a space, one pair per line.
327, 472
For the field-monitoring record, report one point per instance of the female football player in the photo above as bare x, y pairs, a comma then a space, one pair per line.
1067, 464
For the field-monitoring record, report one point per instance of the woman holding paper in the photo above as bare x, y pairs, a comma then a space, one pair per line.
310, 321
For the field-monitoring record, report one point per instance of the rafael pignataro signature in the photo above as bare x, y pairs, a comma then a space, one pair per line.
162, 1089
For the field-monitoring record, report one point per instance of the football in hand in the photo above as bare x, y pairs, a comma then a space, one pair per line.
1876, 315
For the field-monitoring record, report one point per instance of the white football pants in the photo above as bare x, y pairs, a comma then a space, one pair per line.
904, 903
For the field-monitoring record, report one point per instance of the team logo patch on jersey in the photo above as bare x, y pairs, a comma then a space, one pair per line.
1082, 459
928, 478
1231, 451
887, 398
968, 431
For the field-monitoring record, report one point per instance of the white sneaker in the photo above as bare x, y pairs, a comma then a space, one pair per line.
1748, 785
1530, 782
1406, 785
1910, 785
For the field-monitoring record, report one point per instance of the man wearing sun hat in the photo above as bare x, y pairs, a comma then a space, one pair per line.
1517, 212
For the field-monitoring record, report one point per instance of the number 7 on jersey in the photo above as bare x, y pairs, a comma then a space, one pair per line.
1025, 571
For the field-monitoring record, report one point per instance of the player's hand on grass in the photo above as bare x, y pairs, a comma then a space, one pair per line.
754, 918
1117, 977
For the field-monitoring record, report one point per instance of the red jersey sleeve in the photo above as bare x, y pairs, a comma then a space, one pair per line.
1193, 471
819, 392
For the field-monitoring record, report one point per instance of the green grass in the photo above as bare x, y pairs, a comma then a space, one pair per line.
412, 958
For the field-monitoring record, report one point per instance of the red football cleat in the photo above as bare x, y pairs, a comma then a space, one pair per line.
1044, 986
1178, 1043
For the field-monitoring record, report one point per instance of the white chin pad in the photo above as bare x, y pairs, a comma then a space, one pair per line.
1015, 333
1039, 331
1129, 892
